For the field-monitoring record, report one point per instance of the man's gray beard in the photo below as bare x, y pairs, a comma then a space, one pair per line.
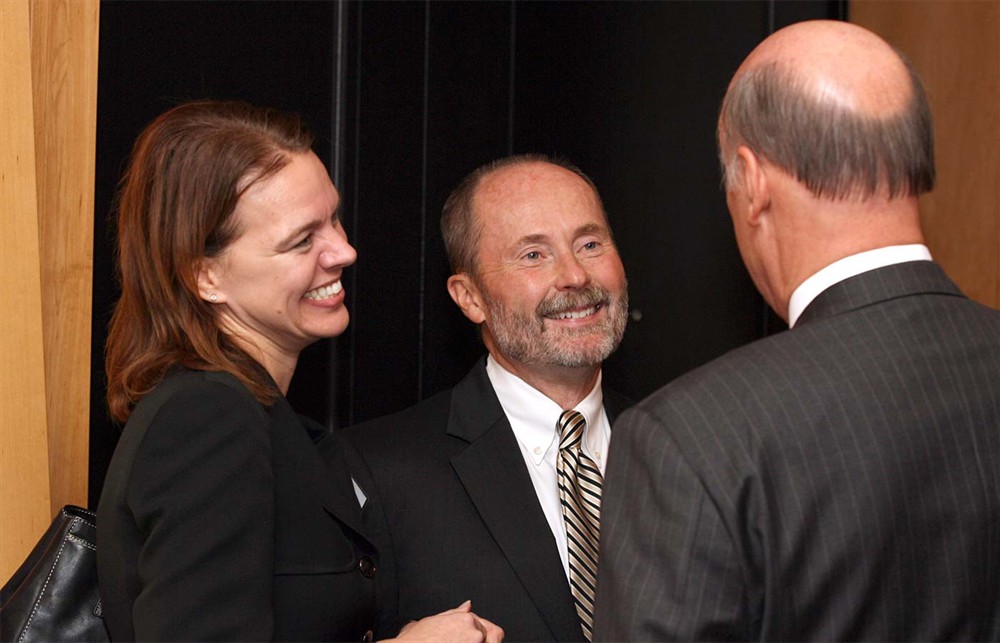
524, 338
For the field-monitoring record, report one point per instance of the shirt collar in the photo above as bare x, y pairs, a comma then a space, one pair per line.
849, 267
533, 416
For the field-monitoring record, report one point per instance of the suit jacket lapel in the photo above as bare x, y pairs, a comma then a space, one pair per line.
493, 472
329, 479
879, 285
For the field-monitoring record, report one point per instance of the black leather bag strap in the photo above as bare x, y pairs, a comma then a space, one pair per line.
53, 595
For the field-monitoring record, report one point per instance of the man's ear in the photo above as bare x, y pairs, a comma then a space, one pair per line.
465, 294
753, 176
209, 280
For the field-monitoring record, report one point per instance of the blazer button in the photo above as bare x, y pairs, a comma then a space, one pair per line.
367, 567
369, 637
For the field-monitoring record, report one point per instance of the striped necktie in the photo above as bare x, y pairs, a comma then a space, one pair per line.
580, 484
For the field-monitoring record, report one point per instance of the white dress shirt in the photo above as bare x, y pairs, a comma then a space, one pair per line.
533, 417
849, 267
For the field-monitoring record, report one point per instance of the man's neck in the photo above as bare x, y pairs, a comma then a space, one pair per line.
564, 385
821, 232
849, 267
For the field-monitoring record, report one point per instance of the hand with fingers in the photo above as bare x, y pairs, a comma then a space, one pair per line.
459, 624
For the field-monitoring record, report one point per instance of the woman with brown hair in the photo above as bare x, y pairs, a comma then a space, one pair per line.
219, 519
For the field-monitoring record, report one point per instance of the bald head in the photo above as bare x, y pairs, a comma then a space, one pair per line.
840, 63
836, 107
460, 227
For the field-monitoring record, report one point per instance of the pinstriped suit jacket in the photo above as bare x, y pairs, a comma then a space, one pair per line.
837, 481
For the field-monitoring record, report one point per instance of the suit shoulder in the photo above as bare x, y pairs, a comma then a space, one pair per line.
203, 389
736, 368
723, 400
190, 426
186, 383
418, 423
197, 406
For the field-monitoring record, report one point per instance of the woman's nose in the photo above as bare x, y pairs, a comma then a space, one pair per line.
337, 254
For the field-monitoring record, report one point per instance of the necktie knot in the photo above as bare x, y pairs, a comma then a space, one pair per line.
571, 426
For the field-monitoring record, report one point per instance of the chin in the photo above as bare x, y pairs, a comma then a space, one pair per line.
332, 328
577, 356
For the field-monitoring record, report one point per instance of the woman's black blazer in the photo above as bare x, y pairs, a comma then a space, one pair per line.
219, 521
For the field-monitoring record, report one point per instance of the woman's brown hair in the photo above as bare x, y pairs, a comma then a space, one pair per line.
175, 207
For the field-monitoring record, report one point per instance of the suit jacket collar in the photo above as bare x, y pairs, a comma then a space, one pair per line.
327, 475
475, 407
880, 285
492, 470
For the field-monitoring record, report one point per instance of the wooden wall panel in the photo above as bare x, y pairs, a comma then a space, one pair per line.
955, 45
64, 38
24, 480
48, 102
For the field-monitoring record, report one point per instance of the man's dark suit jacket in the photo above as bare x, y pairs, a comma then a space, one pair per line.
219, 520
462, 517
838, 481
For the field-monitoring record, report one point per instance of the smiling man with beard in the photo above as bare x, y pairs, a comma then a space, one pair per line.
490, 491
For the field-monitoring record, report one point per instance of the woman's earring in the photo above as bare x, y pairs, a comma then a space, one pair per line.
213, 298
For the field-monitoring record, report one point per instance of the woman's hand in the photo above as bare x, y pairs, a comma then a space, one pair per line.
460, 625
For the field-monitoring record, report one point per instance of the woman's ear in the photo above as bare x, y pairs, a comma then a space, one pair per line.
209, 280
465, 294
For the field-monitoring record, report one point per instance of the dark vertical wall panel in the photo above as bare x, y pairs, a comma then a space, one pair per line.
630, 92
384, 129
468, 116
431, 101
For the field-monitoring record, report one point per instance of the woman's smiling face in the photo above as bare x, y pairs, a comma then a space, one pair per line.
278, 285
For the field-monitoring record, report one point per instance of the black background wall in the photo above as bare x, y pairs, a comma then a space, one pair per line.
408, 97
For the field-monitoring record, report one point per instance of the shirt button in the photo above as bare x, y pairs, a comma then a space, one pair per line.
538, 450
367, 567
369, 636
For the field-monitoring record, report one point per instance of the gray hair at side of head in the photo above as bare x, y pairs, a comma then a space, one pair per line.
461, 229
835, 152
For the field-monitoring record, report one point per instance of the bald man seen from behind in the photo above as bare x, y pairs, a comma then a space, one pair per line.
840, 480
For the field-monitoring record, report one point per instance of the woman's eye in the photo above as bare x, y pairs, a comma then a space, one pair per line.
534, 255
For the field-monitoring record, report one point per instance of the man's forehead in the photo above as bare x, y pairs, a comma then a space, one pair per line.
526, 183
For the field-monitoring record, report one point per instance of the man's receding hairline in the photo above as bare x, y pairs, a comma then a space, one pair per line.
811, 79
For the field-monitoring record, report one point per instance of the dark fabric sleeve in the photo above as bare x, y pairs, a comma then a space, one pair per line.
202, 493
669, 568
